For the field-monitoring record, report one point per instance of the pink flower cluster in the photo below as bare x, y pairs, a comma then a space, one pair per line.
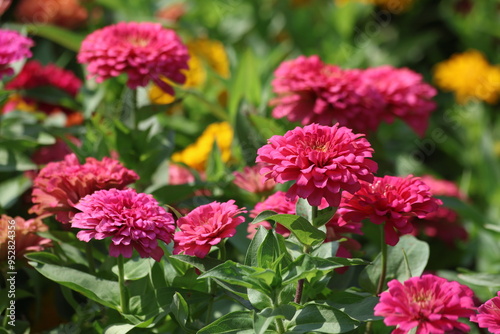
132, 220
206, 226
444, 223
144, 51
489, 315
322, 160
430, 303
392, 201
13, 47
60, 185
310, 91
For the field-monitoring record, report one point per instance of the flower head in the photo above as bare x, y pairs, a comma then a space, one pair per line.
144, 51
489, 315
469, 76
179, 175
35, 75
64, 13
60, 185
13, 47
196, 155
206, 226
132, 220
406, 96
392, 201
251, 180
277, 202
430, 303
26, 238
444, 223
310, 91
322, 160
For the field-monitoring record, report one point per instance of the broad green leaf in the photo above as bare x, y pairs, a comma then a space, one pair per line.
251, 258
259, 300
361, 309
300, 227
268, 251
239, 322
267, 127
407, 259
150, 110
136, 268
481, 279
12, 188
216, 168
180, 309
203, 265
61, 36
326, 250
12, 160
100, 290
321, 319
304, 209
170, 194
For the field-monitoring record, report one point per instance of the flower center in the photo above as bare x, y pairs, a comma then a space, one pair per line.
137, 41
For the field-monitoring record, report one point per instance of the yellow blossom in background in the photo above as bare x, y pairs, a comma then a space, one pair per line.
394, 6
16, 102
201, 51
469, 76
196, 155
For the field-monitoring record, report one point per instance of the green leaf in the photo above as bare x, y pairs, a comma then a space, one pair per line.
360, 307
410, 255
304, 209
300, 227
203, 265
12, 188
216, 168
136, 268
100, 290
64, 37
150, 110
481, 279
180, 310
251, 258
268, 251
174, 193
239, 322
321, 319
13, 160
259, 300
267, 127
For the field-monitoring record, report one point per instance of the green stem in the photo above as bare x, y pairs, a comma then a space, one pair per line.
280, 326
135, 109
381, 281
222, 250
90, 258
121, 283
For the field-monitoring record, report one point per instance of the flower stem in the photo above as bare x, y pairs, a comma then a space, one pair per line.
280, 326
121, 283
381, 281
222, 250
90, 258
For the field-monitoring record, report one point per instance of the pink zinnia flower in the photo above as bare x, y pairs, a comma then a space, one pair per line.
322, 160
60, 185
489, 315
132, 220
26, 238
144, 51
13, 47
251, 180
309, 91
430, 303
405, 94
277, 202
391, 200
444, 223
206, 226
179, 175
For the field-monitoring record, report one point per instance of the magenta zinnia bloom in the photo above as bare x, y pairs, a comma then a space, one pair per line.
405, 94
144, 51
489, 315
132, 220
13, 47
206, 226
391, 200
322, 160
430, 303
60, 185
251, 180
444, 223
309, 91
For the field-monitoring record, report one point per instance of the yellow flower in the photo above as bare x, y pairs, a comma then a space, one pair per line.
16, 102
196, 155
469, 76
213, 53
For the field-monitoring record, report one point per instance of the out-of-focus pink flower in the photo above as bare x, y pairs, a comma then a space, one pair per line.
60, 185
206, 226
144, 51
13, 47
64, 13
34, 75
24, 235
277, 202
172, 12
310, 91
251, 180
430, 303
132, 220
179, 175
489, 315
322, 160
4, 5
443, 223
391, 201
405, 94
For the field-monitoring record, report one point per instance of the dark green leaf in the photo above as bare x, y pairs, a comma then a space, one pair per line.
239, 322
203, 265
321, 319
